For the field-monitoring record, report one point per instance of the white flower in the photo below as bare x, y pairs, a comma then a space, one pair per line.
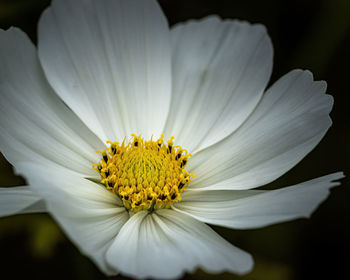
108, 69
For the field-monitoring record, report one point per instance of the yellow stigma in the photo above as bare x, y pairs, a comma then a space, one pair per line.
146, 175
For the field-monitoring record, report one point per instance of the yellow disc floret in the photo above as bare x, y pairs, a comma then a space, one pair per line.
146, 175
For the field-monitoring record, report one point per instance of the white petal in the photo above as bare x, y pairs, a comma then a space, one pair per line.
287, 124
88, 213
165, 244
109, 60
19, 200
247, 209
35, 124
220, 71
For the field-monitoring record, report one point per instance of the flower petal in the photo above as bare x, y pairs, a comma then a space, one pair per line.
220, 71
287, 124
89, 214
35, 124
165, 244
247, 209
19, 200
109, 60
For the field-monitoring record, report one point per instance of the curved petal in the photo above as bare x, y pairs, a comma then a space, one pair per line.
19, 200
247, 209
165, 244
35, 124
89, 214
288, 123
220, 71
109, 60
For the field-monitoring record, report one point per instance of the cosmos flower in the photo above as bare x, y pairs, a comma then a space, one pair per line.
134, 136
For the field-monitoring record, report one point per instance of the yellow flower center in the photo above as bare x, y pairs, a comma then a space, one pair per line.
146, 175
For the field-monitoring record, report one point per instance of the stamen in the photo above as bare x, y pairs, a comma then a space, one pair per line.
146, 175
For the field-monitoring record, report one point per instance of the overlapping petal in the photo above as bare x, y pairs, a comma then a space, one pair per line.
88, 213
165, 244
288, 123
35, 124
245, 209
19, 200
109, 60
220, 71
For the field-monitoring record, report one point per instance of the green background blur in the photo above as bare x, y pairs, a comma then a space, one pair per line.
312, 35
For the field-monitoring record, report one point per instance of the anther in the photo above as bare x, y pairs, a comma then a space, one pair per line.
105, 158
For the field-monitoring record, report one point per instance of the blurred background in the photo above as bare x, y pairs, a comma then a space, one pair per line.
312, 34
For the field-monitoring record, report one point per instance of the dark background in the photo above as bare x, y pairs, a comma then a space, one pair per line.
312, 35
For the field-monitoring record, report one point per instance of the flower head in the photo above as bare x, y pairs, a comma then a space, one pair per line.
146, 175
182, 124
